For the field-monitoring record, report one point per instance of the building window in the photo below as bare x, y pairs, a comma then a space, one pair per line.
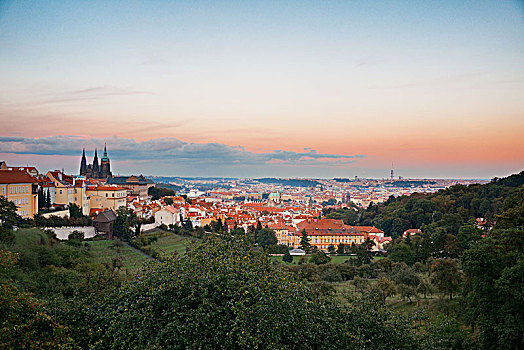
60, 191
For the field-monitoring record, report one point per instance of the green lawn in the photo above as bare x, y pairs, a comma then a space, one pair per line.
171, 243
105, 250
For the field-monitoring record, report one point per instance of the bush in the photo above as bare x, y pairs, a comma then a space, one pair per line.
319, 257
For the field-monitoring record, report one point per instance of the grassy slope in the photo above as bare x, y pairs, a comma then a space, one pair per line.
171, 243
103, 251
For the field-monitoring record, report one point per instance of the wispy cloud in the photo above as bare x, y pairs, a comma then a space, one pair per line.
171, 149
89, 94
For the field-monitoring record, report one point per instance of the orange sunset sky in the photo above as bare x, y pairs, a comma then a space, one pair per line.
251, 89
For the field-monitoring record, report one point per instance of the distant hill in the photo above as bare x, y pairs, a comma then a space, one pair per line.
289, 182
448, 208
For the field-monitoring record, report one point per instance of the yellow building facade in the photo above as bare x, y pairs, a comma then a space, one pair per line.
21, 189
106, 197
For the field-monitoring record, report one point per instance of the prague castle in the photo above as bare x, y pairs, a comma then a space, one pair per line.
94, 171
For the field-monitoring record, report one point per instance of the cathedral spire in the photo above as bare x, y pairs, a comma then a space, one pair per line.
96, 168
105, 165
83, 163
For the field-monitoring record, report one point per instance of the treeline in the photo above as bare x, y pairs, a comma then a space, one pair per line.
161, 190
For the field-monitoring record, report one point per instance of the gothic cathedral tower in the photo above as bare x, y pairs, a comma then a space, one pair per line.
94, 171
83, 163
105, 165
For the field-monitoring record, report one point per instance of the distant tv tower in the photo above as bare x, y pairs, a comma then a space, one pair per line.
392, 172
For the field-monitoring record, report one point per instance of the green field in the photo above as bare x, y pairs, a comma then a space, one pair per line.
105, 250
171, 243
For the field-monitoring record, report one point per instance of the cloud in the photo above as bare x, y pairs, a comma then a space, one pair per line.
170, 149
95, 93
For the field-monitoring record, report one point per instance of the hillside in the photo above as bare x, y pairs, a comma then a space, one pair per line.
449, 208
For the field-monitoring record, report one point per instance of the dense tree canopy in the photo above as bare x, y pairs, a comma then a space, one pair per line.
494, 270
224, 294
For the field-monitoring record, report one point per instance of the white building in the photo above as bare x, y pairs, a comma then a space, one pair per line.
168, 215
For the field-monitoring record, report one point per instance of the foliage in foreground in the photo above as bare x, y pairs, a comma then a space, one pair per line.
223, 294
24, 323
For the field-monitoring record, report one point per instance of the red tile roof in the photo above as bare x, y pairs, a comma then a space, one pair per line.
16, 177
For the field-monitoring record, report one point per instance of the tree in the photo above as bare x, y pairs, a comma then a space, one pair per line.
468, 235
76, 235
385, 288
287, 258
305, 242
341, 249
41, 199
361, 284
452, 247
266, 237
168, 201
446, 276
407, 281
8, 214
74, 211
425, 287
331, 249
157, 192
125, 219
364, 255
319, 258
188, 225
48, 200
401, 252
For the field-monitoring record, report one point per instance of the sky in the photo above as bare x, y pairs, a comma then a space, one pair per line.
265, 88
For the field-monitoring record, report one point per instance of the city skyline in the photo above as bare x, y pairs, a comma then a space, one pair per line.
316, 89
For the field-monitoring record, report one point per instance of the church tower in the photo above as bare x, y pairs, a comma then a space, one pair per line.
96, 168
83, 163
105, 165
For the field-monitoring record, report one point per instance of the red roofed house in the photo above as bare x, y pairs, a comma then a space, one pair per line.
22, 189
412, 232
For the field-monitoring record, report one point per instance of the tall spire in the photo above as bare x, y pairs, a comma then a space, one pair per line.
105, 165
96, 168
83, 163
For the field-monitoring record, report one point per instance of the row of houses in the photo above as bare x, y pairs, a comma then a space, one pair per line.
21, 185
